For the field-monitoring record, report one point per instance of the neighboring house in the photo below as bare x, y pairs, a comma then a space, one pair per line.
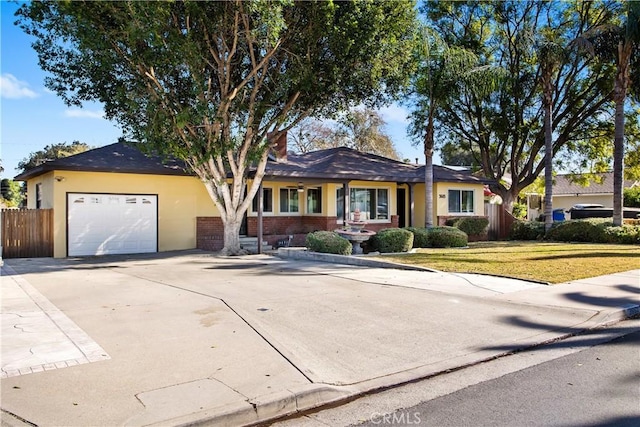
567, 193
115, 199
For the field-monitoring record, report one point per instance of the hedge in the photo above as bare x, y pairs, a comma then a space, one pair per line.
420, 237
580, 230
391, 240
594, 230
626, 234
527, 230
471, 225
447, 237
328, 242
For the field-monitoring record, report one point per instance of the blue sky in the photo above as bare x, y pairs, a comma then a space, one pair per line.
33, 117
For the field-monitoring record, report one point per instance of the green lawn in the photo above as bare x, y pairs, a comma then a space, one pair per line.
547, 262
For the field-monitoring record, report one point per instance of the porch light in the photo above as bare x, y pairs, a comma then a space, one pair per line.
300, 188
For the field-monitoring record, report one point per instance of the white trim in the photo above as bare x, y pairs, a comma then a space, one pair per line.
306, 200
287, 213
373, 221
252, 213
473, 204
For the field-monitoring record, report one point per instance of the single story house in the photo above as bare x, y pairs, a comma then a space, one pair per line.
567, 191
116, 200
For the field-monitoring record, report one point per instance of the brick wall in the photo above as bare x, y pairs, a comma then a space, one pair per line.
209, 233
286, 225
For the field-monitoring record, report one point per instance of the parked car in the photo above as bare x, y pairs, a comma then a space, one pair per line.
598, 211
585, 206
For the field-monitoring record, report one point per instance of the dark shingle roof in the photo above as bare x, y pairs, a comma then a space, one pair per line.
334, 164
343, 164
564, 185
119, 157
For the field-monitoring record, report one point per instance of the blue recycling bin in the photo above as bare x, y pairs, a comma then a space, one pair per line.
558, 215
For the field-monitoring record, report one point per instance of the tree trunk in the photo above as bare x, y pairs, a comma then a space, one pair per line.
509, 197
428, 184
232, 235
428, 175
618, 164
619, 95
548, 156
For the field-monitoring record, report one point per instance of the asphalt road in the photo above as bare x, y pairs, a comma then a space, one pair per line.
599, 386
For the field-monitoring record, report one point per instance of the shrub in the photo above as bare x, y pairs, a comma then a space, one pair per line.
519, 210
632, 197
627, 234
580, 230
328, 242
470, 225
527, 230
594, 230
391, 240
420, 237
447, 237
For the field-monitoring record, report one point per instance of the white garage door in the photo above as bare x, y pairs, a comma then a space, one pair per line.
100, 224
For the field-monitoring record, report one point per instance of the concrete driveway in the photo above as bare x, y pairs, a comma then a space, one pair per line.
190, 336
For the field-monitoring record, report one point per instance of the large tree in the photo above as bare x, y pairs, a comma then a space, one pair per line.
618, 42
11, 192
52, 152
361, 129
550, 54
443, 73
310, 135
207, 81
505, 130
626, 39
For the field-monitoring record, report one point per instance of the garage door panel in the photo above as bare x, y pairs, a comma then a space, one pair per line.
111, 224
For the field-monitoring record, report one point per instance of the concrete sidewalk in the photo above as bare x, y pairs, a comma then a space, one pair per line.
190, 337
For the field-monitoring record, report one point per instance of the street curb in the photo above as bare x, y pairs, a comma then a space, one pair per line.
264, 408
312, 397
304, 254
362, 261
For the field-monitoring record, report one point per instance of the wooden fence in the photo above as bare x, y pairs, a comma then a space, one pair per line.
27, 233
500, 221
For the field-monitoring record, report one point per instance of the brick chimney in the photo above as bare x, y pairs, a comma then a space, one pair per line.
279, 145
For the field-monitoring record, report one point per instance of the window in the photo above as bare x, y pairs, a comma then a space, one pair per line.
314, 200
373, 203
38, 196
289, 200
382, 204
267, 201
460, 201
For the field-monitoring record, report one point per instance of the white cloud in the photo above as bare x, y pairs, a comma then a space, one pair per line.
12, 88
394, 114
84, 114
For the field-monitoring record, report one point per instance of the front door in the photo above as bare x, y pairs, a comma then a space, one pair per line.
401, 200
